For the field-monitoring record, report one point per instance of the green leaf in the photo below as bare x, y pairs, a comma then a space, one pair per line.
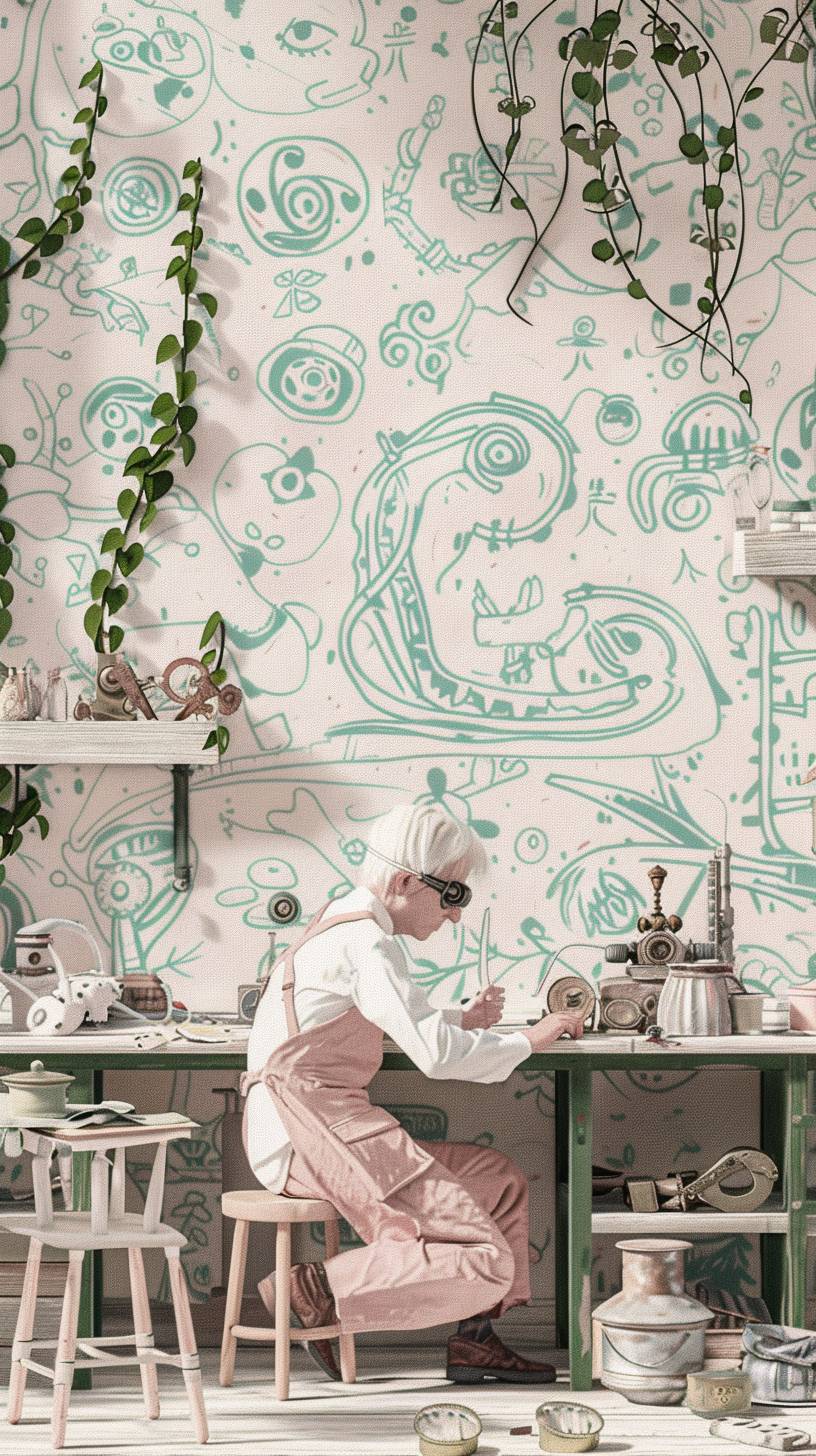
168, 348
213, 622
71, 174
32, 268
115, 599
725, 162
713, 197
6, 559
112, 540
163, 404
26, 809
192, 333
174, 266
79, 146
211, 740
725, 136
61, 225
223, 738
92, 621
182, 239
586, 88
624, 55
219, 676
163, 435
208, 658
605, 24
148, 516
5, 623
192, 168
92, 75
137, 457
7, 455
209, 303
770, 26
665, 55
99, 581
129, 559
125, 503
691, 62
754, 92
186, 383
88, 167
102, 106
6, 592
704, 304
745, 397
691, 145
185, 202
43, 826
83, 115
85, 194
187, 417
594, 191
51, 243
31, 230
187, 444
187, 280
161, 484
518, 203
77, 221
635, 289
7, 531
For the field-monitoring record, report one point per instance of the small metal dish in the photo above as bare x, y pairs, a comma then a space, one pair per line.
565, 1426
447, 1430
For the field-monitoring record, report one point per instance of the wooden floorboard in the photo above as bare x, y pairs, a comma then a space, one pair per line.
372, 1418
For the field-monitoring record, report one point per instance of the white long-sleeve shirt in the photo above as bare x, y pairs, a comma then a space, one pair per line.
361, 964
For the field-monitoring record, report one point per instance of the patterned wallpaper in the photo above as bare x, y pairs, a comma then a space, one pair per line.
462, 558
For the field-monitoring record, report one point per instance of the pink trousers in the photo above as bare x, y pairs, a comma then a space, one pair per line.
472, 1255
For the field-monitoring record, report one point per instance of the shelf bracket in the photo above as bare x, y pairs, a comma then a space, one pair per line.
181, 826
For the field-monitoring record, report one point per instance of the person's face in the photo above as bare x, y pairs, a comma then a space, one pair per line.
422, 914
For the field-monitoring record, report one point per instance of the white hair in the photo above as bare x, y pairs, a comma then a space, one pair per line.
424, 839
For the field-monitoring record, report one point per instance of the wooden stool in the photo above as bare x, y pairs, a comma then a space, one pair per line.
259, 1206
106, 1225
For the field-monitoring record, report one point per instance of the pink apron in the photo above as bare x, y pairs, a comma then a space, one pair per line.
356, 1155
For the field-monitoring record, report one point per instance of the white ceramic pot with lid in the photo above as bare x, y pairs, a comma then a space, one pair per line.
37, 1093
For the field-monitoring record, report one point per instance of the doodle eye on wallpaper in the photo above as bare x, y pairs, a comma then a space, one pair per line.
316, 376
295, 56
299, 195
295, 506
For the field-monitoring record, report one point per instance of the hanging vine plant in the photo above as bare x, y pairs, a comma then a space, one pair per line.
152, 469
595, 59
44, 240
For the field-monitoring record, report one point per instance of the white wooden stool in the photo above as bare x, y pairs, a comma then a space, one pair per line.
105, 1226
256, 1205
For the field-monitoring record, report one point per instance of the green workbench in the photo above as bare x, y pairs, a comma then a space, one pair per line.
782, 1060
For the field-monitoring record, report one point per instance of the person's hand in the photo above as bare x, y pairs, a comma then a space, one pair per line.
484, 1010
550, 1028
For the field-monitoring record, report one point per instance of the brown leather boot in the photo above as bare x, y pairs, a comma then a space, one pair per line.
472, 1361
311, 1303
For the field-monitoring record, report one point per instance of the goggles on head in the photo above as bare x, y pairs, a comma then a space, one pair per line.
453, 894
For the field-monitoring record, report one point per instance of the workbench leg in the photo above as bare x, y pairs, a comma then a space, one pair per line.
775, 1124
796, 1190
579, 1213
87, 1088
561, 1211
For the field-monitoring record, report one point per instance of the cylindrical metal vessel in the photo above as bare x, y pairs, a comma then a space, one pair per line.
694, 999
652, 1332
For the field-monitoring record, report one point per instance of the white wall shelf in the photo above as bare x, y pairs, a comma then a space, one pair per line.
772, 553
179, 746
75, 742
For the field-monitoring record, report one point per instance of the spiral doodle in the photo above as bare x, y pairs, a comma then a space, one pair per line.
301, 195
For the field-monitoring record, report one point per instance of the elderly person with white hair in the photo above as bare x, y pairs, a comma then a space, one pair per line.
445, 1225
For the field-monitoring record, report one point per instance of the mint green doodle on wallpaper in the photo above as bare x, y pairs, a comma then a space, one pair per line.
558, 669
